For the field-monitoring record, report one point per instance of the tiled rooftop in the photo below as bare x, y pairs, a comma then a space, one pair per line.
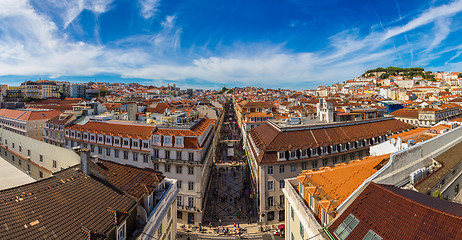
395, 213
135, 181
268, 138
335, 184
60, 207
114, 129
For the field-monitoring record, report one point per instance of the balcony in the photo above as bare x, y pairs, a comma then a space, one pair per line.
178, 161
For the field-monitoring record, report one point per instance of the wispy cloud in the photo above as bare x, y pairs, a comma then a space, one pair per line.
149, 8
428, 16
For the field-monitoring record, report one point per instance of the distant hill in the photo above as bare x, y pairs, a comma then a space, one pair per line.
397, 71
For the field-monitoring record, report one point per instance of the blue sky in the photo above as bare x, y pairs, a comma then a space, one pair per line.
297, 44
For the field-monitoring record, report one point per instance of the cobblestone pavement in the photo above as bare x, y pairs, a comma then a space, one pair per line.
229, 204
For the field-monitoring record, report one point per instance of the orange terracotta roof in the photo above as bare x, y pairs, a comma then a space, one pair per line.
197, 130
26, 115
113, 129
336, 183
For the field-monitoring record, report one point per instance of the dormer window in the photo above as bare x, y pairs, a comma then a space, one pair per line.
179, 141
167, 140
303, 152
334, 148
314, 152
293, 154
156, 139
324, 150
282, 155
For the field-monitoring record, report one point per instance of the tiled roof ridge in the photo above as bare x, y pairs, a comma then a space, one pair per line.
414, 202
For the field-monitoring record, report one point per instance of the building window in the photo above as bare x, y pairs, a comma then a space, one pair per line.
304, 166
303, 152
167, 167
270, 201
41, 174
145, 145
135, 143
281, 199
145, 158
156, 153
293, 167
270, 170
334, 160
116, 153
343, 158
20, 148
156, 166
281, 168
292, 154
323, 217
191, 170
167, 154
352, 156
302, 231
54, 164
92, 147
41, 158
190, 186
315, 163
324, 162
108, 152
456, 189
179, 200
179, 169
125, 155
282, 155
270, 185
135, 157
292, 213
190, 201
191, 156
121, 232
178, 184
270, 216
100, 150
28, 153
281, 184
178, 155
371, 235
346, 227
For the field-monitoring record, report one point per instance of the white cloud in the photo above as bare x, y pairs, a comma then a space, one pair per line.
69, 10
149, 8
428, 16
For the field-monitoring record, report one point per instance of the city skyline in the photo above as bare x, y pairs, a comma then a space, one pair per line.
211, 44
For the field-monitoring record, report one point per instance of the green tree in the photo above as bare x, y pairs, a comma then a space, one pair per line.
102, 93
437, 194
384, 76
460, 75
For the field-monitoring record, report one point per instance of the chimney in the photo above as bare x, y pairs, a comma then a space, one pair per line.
84, 159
